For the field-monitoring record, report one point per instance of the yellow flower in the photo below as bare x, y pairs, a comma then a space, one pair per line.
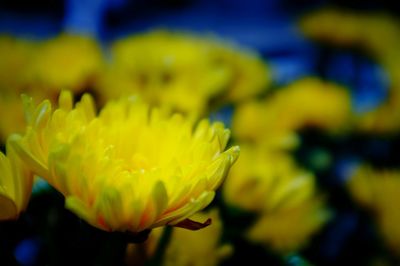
348, 29
129, 168
379, 191
250, 75
270, 184
198, 248
15, 185
302, 103
181, 71
260, 122
66, 61
263, 180
289, 230
313, 102
186, 247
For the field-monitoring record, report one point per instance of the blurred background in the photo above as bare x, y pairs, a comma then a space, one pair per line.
328, 69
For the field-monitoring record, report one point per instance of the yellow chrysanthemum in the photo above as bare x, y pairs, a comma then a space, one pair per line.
289, 230
260, 122
379, 192
186, 248
306, 102
365, 31
129, 168
181, 71
66, 61
269, 183
15, 185
250, 75
263, 180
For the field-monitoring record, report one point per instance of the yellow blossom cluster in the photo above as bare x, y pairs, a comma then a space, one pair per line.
378, 35
130, 167
378, 191
174, 71
266, 179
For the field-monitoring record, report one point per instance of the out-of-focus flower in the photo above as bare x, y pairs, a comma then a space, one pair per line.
365, 31
384, 119
378, 191
129, 168
198, 248
290, 230
349, 28
250, 75
259, 121
65, 62
269, 183
16, 55
187, 247
42, 70
306, 102
313, 102
263, 180
181, 71
343, 27
15, 185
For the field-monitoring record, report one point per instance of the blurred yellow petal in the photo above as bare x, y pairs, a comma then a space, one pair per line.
264, 180
15, 185
197, 248
185, 247
378, 191
289, 230
301, 104
65, 61
16, 55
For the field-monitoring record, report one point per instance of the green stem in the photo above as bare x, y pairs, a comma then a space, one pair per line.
156, 260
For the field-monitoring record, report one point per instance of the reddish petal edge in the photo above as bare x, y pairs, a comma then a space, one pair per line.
193, 225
